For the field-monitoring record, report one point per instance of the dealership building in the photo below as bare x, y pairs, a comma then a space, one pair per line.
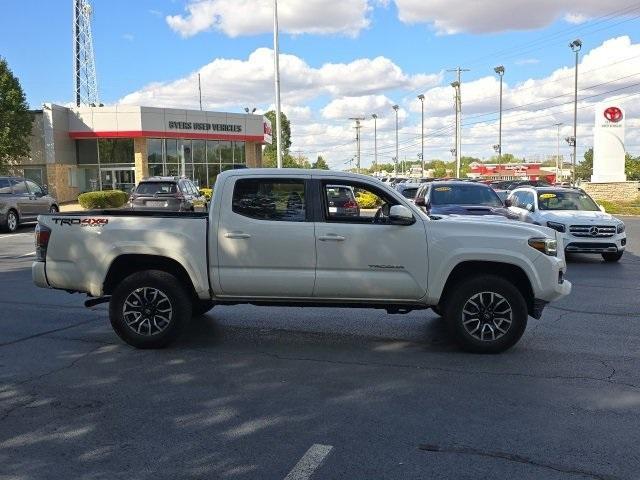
76, 150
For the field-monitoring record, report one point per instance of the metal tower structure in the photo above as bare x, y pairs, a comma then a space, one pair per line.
84, 64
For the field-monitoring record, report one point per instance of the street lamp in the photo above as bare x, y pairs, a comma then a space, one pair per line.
421, 98
500, 71
253, 110
575, 46
558, 125
375, 141
395, 165
276, 69
458, 107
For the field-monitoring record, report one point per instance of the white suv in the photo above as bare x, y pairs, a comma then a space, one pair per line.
582, 223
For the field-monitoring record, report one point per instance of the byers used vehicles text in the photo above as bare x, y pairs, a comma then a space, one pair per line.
271, 238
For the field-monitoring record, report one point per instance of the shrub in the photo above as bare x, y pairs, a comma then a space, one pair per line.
105, 199
207, 192
367, 200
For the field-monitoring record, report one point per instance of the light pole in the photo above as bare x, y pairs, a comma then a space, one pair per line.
558, 125
421, 98
252, 111
395, 164
276, 67
575, 46
456, 86
375, 142
500, 71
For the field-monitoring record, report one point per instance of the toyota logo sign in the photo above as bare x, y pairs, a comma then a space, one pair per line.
613, 114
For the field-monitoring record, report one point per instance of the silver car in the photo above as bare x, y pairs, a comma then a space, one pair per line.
22, 201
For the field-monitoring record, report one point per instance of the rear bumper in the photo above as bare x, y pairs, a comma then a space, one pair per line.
39, 275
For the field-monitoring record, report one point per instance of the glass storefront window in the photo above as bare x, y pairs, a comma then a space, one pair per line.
226, 152
200, 174
87, 151
199, 151
154, 150
171, 150
172, 169
238, 153
186, 144
213, 151
156, 170
88, 179
213, 171
115, 150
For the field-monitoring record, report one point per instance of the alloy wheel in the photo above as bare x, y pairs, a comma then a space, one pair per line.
147, 311
487, 316
12, 221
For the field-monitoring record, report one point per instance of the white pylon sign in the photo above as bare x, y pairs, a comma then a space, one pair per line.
608, 143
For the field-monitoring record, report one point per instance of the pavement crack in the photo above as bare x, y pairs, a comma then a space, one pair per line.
47, 332
606, 314
512, 457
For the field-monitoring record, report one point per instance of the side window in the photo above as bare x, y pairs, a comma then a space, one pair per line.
5, 186
194, 189
527, 199
270, 199
34, 188
19, 187
355, 202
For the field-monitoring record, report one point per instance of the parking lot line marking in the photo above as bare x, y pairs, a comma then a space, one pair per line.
310, 462
15, 235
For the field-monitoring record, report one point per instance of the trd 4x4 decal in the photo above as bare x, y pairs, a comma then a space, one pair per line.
83, 222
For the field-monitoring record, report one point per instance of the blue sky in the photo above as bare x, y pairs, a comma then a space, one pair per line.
136, 46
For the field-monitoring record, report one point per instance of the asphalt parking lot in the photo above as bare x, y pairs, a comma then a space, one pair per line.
274, 393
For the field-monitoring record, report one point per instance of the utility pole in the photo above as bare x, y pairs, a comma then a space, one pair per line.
396, 159
558, 125
500, 71
357, 127
421, 98
375, 142
456, 85
276, 67
200, 92
575, 46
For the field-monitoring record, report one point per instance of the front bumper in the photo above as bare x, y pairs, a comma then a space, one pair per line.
39, 275
551, 284
613, 244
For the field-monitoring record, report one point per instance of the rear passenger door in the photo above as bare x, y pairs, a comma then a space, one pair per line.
24, 200
39, 201
266, 241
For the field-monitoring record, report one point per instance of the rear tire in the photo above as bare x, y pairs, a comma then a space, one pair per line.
11, 222
486, 314
612, 257
149, 309
200, 307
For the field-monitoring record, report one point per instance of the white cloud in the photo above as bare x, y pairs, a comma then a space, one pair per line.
250, 17
129, 37
233, 82
499, 15
527, 61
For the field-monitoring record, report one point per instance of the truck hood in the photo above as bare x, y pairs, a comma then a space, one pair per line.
497, 222
573, 216
471, 210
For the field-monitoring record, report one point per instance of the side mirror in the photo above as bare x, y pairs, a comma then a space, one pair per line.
602, 209
45, 190
508, 202
400, 215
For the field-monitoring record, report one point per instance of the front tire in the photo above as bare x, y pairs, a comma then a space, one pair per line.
486, 314
149, 309
11, 222
612, 257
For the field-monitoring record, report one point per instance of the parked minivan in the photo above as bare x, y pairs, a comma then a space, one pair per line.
21, 201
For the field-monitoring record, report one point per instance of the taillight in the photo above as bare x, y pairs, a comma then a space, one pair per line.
43, 234
350, 204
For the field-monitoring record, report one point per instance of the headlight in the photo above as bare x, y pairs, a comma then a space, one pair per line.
547, 246
557, 226
620, 228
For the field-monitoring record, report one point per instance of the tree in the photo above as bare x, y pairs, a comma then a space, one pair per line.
632, 167
320, 164
15, 118
270, 150
584, 169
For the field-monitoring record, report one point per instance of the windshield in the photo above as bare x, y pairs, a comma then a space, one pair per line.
464, 195
560, 200
153, 188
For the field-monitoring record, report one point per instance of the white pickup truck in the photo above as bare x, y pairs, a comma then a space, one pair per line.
290, 237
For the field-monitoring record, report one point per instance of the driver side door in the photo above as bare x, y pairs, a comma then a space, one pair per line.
358, 258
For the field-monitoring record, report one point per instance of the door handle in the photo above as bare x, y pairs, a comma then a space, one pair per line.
332, 237
236, 235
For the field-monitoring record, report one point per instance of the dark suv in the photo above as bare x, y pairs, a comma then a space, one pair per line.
22, 201
167, 193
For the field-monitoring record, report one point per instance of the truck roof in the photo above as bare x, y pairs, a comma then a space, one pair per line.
294, 171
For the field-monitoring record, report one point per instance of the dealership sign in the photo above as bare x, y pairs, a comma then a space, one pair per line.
205, 127
608, 144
